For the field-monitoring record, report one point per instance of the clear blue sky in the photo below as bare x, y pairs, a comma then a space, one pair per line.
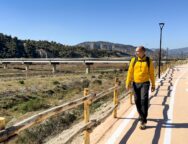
133, 22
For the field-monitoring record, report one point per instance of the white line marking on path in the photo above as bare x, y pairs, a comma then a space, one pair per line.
125, 122
121, 127
167, 136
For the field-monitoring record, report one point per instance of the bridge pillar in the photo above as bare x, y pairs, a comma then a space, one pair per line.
54, 68
26, 64
26, 67
54, 64
88, 67
5, 66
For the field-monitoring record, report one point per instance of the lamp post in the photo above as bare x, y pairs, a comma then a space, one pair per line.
161, 28
166, 53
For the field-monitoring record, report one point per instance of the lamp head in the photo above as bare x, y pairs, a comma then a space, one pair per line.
161, 25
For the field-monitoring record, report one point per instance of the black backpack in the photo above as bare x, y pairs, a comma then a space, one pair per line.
147, 60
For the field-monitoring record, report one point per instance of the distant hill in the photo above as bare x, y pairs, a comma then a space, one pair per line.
12, 47
178, 52
102, 45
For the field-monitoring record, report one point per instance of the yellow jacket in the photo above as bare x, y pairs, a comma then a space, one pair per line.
140, 72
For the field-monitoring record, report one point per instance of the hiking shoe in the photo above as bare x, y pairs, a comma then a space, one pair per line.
142, 126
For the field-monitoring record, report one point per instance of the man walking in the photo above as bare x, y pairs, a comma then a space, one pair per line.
140, 73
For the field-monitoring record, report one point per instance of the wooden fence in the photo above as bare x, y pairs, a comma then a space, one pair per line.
87, 100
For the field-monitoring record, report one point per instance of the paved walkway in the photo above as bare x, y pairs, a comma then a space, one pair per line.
167, 119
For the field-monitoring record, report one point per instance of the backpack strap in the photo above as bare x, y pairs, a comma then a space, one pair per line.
147, 60
135, 60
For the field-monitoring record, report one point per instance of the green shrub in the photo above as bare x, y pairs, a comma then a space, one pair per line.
85, 83
98, 82
56, 82
100, 76
33, 105
21, 82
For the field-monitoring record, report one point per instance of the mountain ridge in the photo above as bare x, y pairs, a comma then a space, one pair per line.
110, 46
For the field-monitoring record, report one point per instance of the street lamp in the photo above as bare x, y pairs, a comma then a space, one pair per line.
161, 28
167, 53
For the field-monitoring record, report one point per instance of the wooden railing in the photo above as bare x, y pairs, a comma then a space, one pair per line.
87, 100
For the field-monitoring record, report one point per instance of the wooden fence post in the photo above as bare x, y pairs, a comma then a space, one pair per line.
86, 117
2, 123
115, 100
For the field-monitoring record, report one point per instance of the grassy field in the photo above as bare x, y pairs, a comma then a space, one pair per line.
23, 94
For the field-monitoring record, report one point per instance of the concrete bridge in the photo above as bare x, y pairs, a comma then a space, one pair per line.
56, 61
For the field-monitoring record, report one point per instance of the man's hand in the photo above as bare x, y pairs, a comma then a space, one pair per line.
128, 88
152, 88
